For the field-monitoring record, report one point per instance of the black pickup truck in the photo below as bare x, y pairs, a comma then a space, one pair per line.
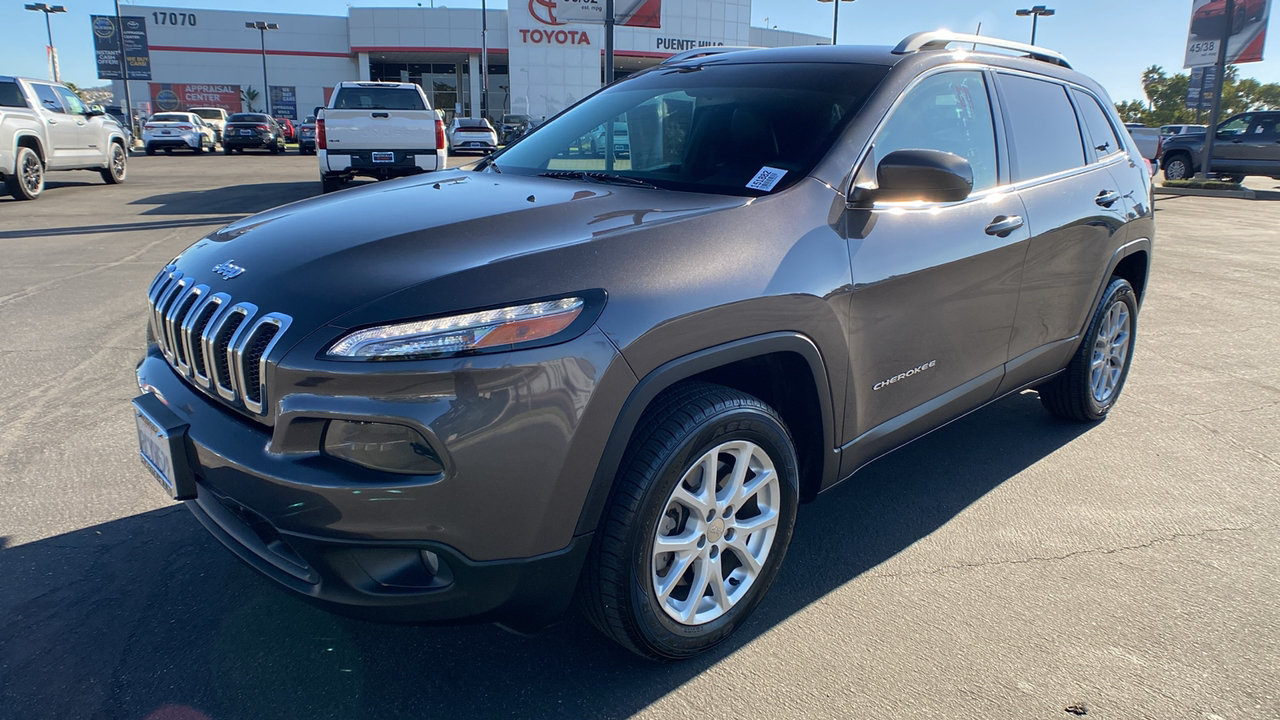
1247, 144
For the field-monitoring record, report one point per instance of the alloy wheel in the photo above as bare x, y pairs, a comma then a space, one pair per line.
715, 532
117, 162
32, 173
1110, 352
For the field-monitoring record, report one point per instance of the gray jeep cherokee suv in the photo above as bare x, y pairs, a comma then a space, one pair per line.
475, 394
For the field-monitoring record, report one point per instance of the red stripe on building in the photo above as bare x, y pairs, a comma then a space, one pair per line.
249, 51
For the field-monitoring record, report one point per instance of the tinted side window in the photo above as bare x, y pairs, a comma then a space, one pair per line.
11, 96
949, 111
1042, 127
1101, 133
47, 97
1235, 125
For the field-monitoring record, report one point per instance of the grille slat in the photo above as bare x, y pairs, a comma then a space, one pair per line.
220, 346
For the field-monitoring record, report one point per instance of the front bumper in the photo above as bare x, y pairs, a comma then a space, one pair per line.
499, 524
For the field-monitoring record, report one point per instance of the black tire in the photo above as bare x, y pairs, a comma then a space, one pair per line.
117, 165
1177, 167
199, 148
331, 184
227, 150
28, 182
1071, 395
616, 590
151, 150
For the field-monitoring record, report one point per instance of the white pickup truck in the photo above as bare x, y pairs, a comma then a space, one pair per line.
45, 126
380, 130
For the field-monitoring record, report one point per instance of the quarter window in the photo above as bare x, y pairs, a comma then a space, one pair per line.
10, 95
1043, 131
1101, 132
951, 112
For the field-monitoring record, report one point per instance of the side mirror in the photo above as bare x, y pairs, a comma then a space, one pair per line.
95, 110
923, 175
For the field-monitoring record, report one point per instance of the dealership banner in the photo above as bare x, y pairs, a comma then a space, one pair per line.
175, 96
106, 45
1200, 89
284, 101
1245, 30
631, 13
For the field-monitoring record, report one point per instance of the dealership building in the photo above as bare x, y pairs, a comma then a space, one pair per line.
538, 62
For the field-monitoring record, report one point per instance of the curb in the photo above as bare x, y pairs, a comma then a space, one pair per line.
1245, 194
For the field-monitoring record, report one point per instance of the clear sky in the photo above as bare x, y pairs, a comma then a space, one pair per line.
1111, 40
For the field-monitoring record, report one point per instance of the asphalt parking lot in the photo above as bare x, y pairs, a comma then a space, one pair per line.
1008, 566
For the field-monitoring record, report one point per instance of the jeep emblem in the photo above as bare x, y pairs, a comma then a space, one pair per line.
228, 269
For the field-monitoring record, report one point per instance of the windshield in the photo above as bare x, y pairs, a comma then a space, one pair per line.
378, 98
247, 118
741, 129
208, 114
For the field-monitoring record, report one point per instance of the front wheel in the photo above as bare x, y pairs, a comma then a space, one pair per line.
1089, 387
114, 172
699, 521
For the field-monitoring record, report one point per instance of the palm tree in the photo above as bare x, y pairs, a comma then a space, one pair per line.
247, 96
1153, 75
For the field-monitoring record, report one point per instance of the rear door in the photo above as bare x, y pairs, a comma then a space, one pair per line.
935, 286
1076, 211
60, 127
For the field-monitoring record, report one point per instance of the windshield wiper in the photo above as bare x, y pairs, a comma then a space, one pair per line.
599, 177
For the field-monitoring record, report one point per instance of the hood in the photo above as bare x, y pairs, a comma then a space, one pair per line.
321, 258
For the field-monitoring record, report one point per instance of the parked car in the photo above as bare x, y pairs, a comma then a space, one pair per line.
472, 135
514, 126
1147, 139
45, 126
1209, 18
1246, 144
214, 117
290, 134
307, 136
1167, 130
169, 131
252, 130
478, 393
380, 130
596, 142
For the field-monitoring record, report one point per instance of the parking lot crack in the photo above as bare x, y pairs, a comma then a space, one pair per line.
1160, 540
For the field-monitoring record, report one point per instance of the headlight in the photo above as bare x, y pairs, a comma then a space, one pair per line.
497, 329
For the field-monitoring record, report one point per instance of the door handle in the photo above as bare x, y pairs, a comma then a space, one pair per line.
1236, 142
52, 121
1002, 225
380, 115
1107, 198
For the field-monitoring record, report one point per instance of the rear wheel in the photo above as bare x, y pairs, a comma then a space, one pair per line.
226, 149
28, 182
1177, 167
114, 172
330, 184
151, 150
699, 522
199, 149
1089, 387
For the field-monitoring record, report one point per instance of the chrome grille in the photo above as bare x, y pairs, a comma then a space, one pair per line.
220, 345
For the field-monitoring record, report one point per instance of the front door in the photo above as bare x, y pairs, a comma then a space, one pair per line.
935, 286
61, 128
1254, 150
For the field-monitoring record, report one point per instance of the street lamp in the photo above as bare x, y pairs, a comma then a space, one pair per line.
49, 10
262, 27
835, 22
1035, 13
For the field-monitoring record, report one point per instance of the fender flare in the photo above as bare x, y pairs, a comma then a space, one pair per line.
1130, 248
17, 143
682, 368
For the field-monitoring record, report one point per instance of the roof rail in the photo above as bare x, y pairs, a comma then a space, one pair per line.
940, 39
705, 52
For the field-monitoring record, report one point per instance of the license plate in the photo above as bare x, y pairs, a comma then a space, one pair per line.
246, 132
165, 132
384, 157
162, 447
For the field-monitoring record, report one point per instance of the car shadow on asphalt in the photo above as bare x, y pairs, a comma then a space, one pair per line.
149, 617
242, 199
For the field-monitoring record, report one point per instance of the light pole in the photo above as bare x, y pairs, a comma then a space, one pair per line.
53, 53
484, 59
262, 27
1036, 13
835, 22
124, 70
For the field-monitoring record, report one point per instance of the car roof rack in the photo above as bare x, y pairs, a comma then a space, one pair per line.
705, 52
940, 39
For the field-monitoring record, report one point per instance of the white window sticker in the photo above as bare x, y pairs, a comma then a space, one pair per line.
766, 178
